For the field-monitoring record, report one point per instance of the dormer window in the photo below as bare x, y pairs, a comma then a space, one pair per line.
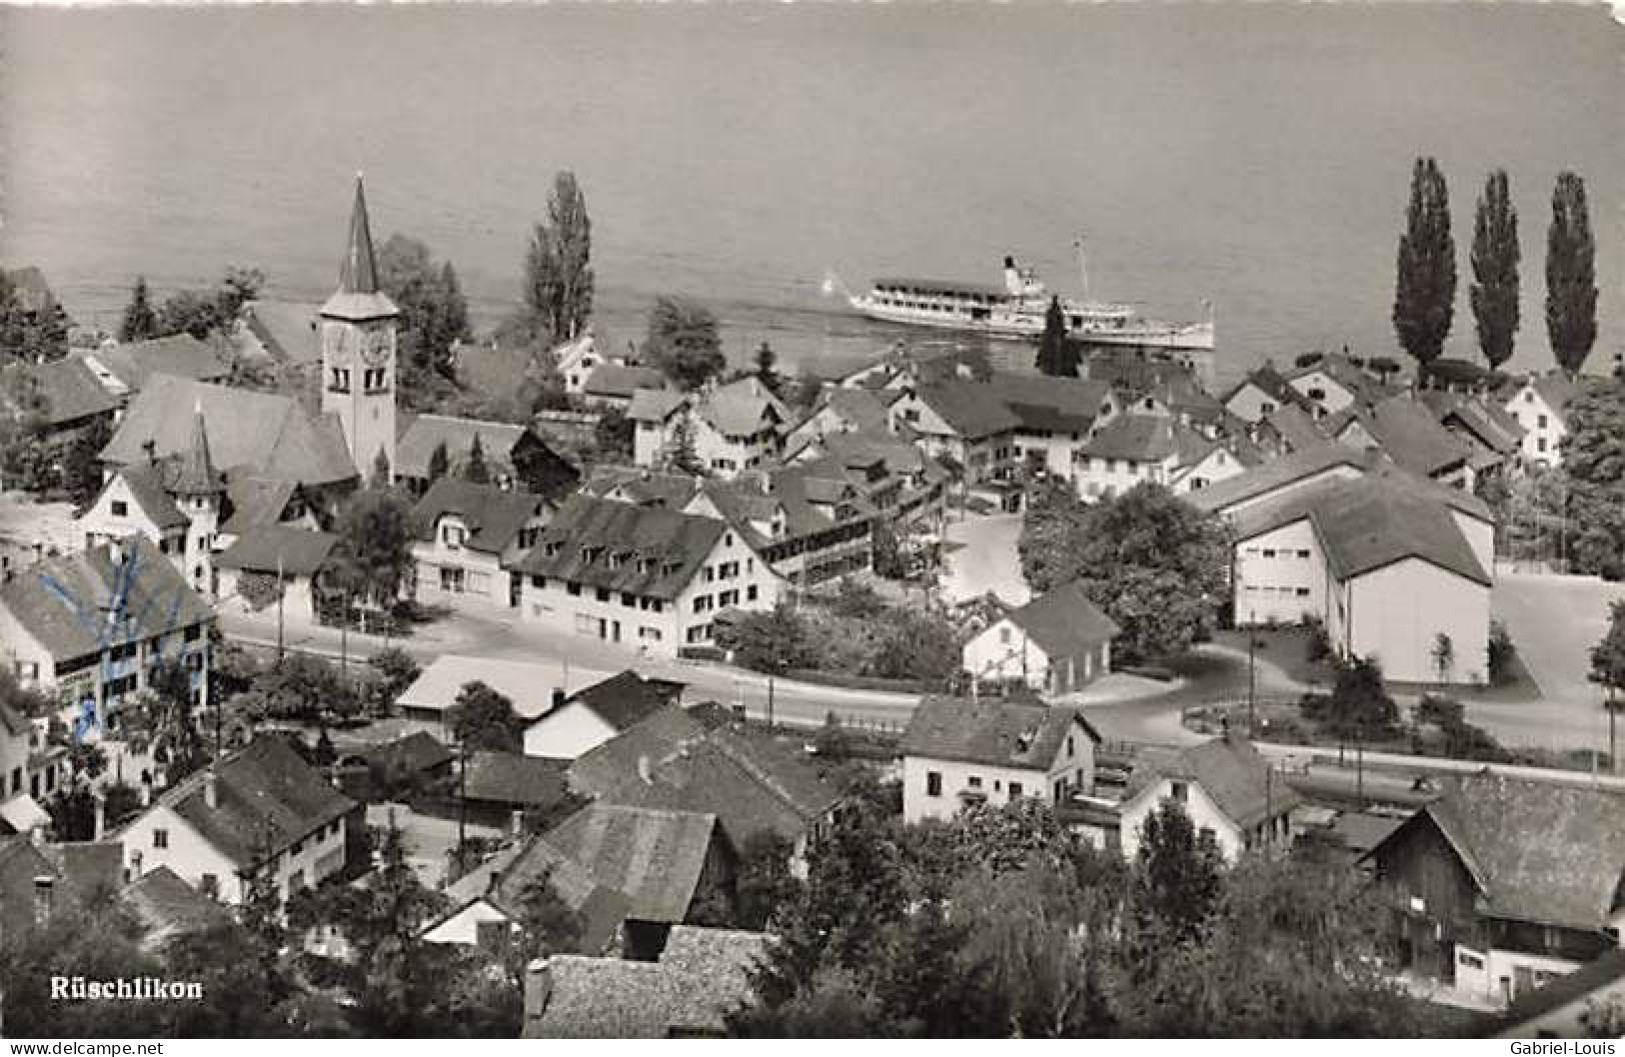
338, 380
552, 548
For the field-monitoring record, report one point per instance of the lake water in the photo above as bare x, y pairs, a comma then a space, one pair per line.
1255, 155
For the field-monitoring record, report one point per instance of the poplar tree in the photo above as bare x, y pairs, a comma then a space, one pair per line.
1425, 284
1571, 275
1056, 355
475, 469
1495, 258
140, 321
558, 268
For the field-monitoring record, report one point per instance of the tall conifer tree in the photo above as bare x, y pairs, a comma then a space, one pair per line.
1425, 283
1495, 257
1571, 275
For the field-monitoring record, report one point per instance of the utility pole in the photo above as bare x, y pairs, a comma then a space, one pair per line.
279, 592
462, 800
1252, 678
770, 700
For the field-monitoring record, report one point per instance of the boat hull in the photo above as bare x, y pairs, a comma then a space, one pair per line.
1026, 326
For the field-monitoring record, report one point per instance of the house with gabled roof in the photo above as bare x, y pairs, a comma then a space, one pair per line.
1224, 785
532, 687
1408, 433
93, 624
963, 751
842, 410
1056, 643
169, 910
1054, 417
1134, 448
1493, 437
260, 812
283, 332
1504, 884
1573, 1006
275, 565
636, 574
615, 385
1332, 382
575, 359
1261, 393
515, 456
598, 713
125, 368
39, 879
966, 425
64, 396
655, 413
1288, 429
701, 977
466, 532
1540, 407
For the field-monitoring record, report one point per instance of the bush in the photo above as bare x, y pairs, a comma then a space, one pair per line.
1500, 653
1319, 646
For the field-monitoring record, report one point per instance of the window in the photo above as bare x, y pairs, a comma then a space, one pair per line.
603, 594
728, 598
338, 380
1540, 421
751, 593
652, 634
1303, 592
537, 580
119, 508
1015, 790
192, 633
373, 379
702, 604
628, 599
160, 838
1303, 554
1269, 552
1004, 635
572, 588
974, 781
209, 885
1180, 792
1540, 443
933, 783
1070, 749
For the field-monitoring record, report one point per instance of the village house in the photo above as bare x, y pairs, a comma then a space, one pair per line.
598, 713
1261, 393
532, 687
963, 751
703, 975
260, 813
467, 533
1055, 644
1055, 417
664, 862
92, 626
175, 503
1540, 407
647, 576
842, 410
167, 909
285, 333
1288, 429
502, 788
968, 428
1226, 788
1574, 1006
655, 414
275, 567
125, 368
574, 359
40, 879
31, 765
1134, 448
488, 902
1504, 884
62, 397
1407, 432
613, 386
515, 456
1333, 382
1492, 436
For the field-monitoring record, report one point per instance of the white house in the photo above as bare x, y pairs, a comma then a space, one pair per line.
1540, 406
271, 565
1134, 448
466, 532
533, 687
575, 360
1057, 643
1333, 383
649, 577
595, 714
964, 423
1224, 786
261, 812
1261, 394
958, 752
655, 414
1387, 568
1055, 417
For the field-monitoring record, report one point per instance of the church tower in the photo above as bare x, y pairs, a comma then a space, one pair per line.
197, 488
358, 351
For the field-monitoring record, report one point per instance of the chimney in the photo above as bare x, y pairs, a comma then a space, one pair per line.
211, 789
516, 825
36, 836
100, 825
538, 990
558, 697
643, 771
44, 896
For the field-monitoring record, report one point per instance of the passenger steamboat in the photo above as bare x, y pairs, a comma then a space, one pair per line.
1017, 309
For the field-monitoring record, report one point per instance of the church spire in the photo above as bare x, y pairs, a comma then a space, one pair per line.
358, 274
195, 475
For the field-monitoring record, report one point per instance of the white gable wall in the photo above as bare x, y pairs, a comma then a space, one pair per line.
1397, 611
1280, 576
1202, 811
567, 733
1251, 404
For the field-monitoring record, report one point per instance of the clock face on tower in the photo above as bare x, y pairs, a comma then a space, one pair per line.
375, 349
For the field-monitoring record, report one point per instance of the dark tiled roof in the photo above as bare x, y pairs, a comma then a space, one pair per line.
1407, 432
266, 548
659, 551
503, 879
515, 779
168, 908
69, 388
1540, 852
701, 977
87, 869
1362, 386
643, 486
1277, 473
412, 754
743, 408
267, 798
627, 699
1488, 423
358, 295
263, 434
969, 408
287, 330
1368, 524
995, 731
1063, 622
256, 501
148, 486
1295, 426
1140, 438
1270, 382
654, 857
1064, 405
654, 405
78, 604
859, 409
620, 382
605, 766
1228, 769
493, 516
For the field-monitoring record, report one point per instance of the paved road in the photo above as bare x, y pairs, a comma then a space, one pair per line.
985, 560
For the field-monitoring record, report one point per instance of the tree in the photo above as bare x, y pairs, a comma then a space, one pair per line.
558, 270
439, 462
1571, 275
395, 670
302, 689
380, 478
475, 470
765, 363
1154, 563
1443, 655
764, 882
1176, 879
1359, 708
1057, 355
549, 924
1425, 285
916, 644
1594, 474
888, 557
484, 720
1495, 256
202, 312
140, 322
81, 463
680, 455
372, 560
163, 721
1608, 655
433, 318
30, 331
683, 342
612, 435
772, 641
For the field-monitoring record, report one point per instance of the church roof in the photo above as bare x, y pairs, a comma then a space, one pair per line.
195, 473
358, 296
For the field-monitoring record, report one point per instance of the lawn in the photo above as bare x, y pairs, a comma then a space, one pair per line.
1286, 648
